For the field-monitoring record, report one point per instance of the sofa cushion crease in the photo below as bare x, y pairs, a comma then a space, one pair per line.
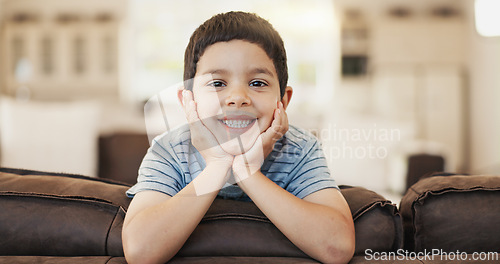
250, 217
63, 184
113, 236
22, 172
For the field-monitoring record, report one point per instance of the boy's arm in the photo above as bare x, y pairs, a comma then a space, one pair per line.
321, 224
157, 225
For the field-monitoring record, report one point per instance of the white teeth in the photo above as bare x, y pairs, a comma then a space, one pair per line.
237, 123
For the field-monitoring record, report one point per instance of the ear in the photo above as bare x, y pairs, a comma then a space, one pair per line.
180, 89
287, 96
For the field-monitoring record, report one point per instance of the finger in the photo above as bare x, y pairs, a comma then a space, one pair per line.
284, 118
280, 123
201, 137
281, 126
273, 133
190, 107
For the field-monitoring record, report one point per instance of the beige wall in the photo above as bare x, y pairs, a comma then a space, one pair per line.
484, 99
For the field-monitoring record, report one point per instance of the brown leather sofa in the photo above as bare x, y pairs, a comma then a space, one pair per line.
62, 218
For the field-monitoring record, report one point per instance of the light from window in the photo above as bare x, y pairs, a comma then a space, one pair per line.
487, 17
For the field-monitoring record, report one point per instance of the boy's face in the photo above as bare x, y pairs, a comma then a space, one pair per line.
236, 89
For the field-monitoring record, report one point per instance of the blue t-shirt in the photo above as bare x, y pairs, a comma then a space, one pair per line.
297, 164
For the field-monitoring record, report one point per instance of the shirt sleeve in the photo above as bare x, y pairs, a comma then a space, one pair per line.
159, 171
311, 174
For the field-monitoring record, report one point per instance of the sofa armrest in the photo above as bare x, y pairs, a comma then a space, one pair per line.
452, 213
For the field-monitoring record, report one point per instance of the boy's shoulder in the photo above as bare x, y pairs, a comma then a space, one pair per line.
300, 136
173, 138
298, 141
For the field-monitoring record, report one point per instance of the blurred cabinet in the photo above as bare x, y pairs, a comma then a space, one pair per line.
56, 49
354, 44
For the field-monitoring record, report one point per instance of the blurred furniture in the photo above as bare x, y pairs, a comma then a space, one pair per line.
57, 51
421, 164
49, 136
120, 156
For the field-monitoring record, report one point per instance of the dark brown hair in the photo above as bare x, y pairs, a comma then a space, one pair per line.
236, 25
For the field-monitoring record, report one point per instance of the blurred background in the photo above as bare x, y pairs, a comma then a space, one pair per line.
394, 89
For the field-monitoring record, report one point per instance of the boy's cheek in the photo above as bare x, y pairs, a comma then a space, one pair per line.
208, 103
266, 122
208, 107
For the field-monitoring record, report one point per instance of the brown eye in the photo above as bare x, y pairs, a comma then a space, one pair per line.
217, 84
258, 84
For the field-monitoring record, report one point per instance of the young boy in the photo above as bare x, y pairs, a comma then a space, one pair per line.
238, 132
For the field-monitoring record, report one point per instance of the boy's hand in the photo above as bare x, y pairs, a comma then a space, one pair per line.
248, 163
201, 137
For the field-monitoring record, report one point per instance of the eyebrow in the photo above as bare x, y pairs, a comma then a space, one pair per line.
216, 71
257, 70
262, 70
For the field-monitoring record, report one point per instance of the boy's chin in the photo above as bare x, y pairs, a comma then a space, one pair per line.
237, 146
241, 143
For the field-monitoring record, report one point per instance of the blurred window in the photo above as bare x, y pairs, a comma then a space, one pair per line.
17, 52
108, 48
161, 31
47, 55
487, 17
79, 55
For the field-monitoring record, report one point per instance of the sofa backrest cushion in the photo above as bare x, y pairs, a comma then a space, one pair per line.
451, 213
60, 214
232, 228
70, 215
235, 228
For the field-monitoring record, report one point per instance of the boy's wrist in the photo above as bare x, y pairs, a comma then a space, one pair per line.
213, 177
242, 172
225, 163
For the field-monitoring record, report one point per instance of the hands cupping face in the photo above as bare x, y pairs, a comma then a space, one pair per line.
246, 152
248, 163
201, 137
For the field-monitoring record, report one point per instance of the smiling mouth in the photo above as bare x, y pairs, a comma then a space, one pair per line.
237, 123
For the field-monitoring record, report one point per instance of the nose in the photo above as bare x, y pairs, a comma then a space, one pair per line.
238, 97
